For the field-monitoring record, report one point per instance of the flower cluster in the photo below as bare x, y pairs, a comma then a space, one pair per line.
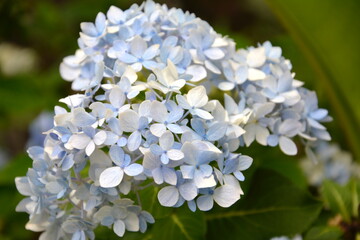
329, 161
144, 118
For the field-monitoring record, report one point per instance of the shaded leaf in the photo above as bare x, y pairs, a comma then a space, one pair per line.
273, 207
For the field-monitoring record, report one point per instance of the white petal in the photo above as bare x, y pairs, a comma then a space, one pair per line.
158, 111
117, 97
69, 73
226, 195
175, 154
79, 141
262, 135
214, 53
111, 177
197, 72
100, 137
174, 128
197, 97
168, 196
226, 86
202, 113
158, 129
256, 57
182, 102
132, 222
129, 120
287, 146
90, 148
255, 74
203, 182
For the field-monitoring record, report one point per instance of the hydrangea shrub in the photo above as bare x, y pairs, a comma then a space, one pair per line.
143, 117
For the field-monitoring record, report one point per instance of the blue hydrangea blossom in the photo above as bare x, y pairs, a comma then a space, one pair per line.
144, 114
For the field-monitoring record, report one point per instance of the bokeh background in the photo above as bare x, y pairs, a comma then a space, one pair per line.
321, 38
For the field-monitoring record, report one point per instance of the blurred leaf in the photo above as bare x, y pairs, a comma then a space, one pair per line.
274, 206
337, 198
355, 197
15, 168
324, 39
323, 233
180, 225
287, 166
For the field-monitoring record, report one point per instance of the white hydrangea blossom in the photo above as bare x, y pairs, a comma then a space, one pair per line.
143, 115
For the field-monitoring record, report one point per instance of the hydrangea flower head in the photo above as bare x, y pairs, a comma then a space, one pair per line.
144, 114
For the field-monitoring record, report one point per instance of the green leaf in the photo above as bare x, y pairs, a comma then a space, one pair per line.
274, 206
17, 167
321, 36
323, 233
180, 225
354, 186
337, 198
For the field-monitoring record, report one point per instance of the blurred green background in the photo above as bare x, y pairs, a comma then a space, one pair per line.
321, 38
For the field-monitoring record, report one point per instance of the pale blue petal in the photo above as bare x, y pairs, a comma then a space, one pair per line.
88, 29
244, 162
216, 131
319, 114
169, 175
119, 228
82, 118
175, 128
117, 155
100, 22
206, 170
156, 149
198, 126
157, 174
151, 52
168, 196
127, 58
205, 202
164, 158
138, 46
166, 140
287, 146
133, 169
187, 171
188, 190
231, 165
273, 140
134, 141
192, 205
